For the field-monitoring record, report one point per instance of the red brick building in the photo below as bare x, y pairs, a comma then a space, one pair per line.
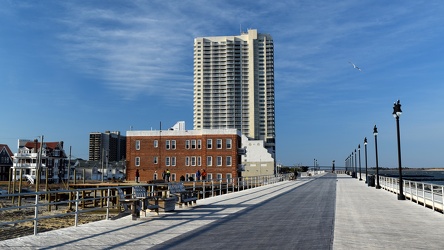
183, 153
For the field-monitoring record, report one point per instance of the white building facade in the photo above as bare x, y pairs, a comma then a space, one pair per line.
32, 157
257, 161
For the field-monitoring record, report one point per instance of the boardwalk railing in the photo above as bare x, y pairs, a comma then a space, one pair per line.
427, 194
103, 199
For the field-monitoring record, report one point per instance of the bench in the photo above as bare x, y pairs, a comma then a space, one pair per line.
142, 194
125, 199
183, 196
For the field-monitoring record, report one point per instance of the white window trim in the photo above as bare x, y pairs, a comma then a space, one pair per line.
229, 162
219, 161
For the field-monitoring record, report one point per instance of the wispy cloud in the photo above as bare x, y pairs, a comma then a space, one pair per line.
131, 51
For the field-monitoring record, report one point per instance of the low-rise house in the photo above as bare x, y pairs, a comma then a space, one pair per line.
48, 158
92, 170
6, 156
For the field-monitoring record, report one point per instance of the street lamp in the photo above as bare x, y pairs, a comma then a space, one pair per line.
359, 154
314, 166
333, 167
353, 166
365, 153
356, 165
375, 133
397, 113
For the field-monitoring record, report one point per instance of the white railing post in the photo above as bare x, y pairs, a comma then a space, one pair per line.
416, 190
77, 208
423, 195
36, 212
433, 197
107, 203
232, 184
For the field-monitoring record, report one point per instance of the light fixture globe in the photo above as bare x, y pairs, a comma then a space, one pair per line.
397, 109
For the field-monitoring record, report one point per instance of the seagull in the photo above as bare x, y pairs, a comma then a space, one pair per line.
354, 66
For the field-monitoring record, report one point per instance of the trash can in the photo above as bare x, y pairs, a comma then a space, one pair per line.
353, 174
371, 180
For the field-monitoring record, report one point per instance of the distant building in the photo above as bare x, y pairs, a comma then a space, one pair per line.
178, 126
234, 85
6, 156
32, 155
108, 146
183, 153
92, 170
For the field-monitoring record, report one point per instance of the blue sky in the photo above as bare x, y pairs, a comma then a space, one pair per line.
68, 68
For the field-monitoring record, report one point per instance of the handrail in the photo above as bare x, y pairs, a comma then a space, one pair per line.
428, 194
80, 197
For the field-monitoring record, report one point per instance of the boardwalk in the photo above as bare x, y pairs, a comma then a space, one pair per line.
326, 212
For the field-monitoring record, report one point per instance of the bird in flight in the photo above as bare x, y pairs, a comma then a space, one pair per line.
354, 66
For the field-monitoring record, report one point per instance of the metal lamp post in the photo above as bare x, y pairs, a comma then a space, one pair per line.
359, 155
314, 166
397, 113
356, 165
365, 154
375, 133
333, 166
353, 166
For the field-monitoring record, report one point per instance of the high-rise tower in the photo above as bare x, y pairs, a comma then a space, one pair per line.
234, 84
110, 145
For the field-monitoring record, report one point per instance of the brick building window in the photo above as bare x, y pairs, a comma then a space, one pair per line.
199, 144
199, 161
167, 144
228, 160
173, 161
173, 144
187, 144
229, 142
187, 161
137, 145
167, 161
137, 161
219, 161
219, 143
155, 160
193, 160
209, 143
193, 144
209, 161
156, 143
